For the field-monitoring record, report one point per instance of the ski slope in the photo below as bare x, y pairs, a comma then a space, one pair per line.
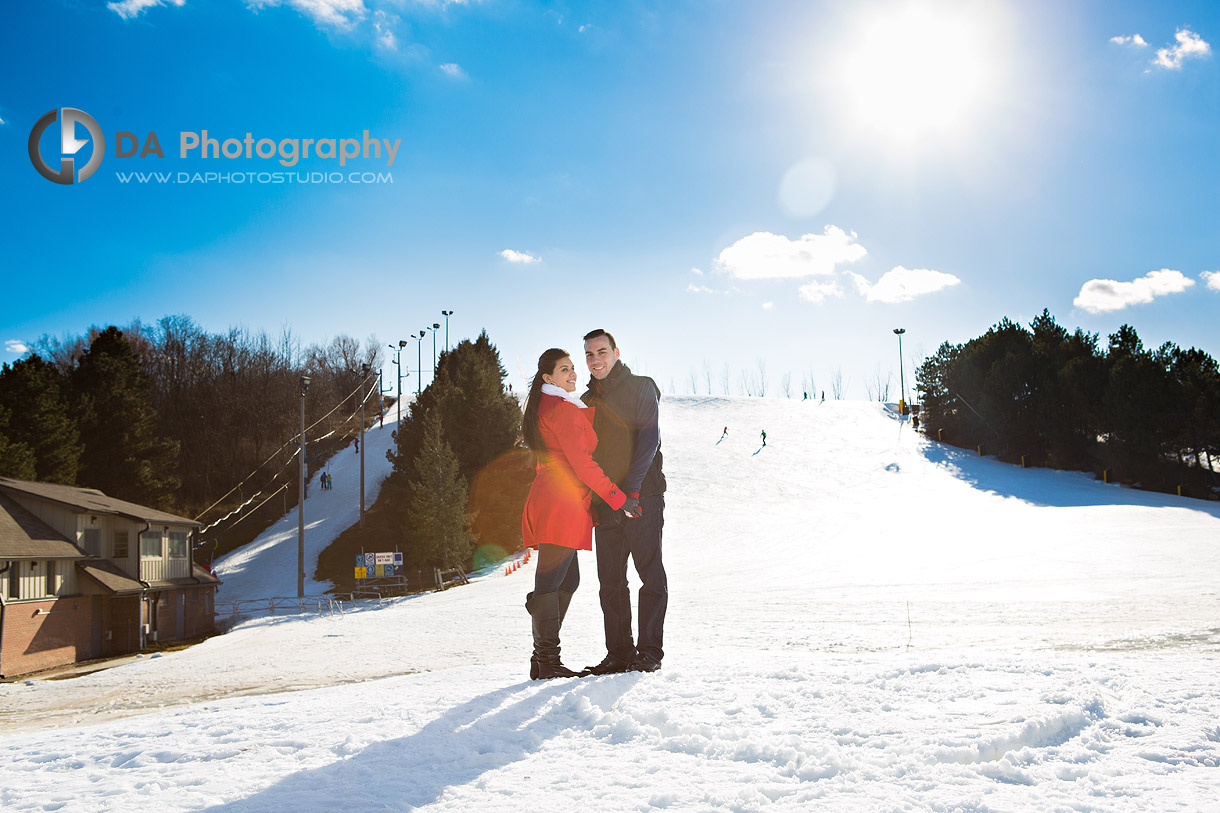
267, 567
859, 620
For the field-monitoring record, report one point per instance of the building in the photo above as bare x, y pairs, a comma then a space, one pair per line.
84, 576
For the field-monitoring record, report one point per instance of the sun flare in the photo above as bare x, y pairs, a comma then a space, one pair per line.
916, 70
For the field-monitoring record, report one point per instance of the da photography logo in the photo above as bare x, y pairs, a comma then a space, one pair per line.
69, 146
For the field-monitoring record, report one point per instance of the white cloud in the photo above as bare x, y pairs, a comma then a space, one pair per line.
336, 13
699, 289
1189, 45
763, 255
134, 8
16, 346
582, 29
817, 292
1211, 279
1135, 40
453, 70
1103, 295
2, 121
519, 256
768, 306
696, 271
384, 24
904, 284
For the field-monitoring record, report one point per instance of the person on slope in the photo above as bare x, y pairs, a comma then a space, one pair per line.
629, 450
557, 519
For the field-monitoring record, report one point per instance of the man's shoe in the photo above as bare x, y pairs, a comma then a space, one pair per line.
645, 663
610, 665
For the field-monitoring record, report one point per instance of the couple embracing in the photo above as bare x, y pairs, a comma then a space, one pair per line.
598, 464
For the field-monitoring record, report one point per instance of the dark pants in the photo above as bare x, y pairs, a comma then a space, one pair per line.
641, 540
557, 569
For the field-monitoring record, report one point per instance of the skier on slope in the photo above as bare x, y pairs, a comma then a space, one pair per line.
764, 437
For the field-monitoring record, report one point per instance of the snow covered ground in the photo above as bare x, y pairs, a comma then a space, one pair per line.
859, 620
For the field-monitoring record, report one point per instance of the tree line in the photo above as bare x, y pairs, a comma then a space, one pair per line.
459, 479
1060, 399
173, 417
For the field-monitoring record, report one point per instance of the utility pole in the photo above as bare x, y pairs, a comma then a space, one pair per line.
364, 381
301, 498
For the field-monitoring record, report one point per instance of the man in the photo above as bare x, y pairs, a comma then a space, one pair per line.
629, 452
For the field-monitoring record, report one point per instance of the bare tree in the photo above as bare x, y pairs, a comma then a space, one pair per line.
878, 387
762, 378
707, 375
836, 383
808, 384
725, 378
747, 387
694, 382
785, 384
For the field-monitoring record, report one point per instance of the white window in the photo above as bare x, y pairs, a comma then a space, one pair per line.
177, 545
150, 545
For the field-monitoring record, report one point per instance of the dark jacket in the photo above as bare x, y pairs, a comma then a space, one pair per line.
628, 435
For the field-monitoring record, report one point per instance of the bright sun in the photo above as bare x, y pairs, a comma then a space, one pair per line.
917, 70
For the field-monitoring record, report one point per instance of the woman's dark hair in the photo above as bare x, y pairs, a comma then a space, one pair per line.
529, 424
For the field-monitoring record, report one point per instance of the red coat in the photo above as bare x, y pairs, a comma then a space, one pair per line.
557, 511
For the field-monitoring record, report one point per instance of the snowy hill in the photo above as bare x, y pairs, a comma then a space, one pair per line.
267, 567
859, 620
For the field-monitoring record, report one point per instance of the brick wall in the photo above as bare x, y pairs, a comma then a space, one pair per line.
42, 634
121, 619
200, 617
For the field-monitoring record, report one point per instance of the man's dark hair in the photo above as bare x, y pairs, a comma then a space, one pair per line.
593, 334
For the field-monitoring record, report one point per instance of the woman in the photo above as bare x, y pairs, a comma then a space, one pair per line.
557, 519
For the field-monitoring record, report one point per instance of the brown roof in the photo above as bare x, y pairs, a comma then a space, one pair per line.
25, 536
110, 576
92, 501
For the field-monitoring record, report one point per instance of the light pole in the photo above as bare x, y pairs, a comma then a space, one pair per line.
301, 499
364, 381
435, 327
902, 387
419, 359
446, 314
398, 363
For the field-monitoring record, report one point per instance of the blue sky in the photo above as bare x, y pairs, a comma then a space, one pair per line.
713, 182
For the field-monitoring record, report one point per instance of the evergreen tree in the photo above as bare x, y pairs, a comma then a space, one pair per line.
16, 459
32, 389
439, 520
123, 455
479, 419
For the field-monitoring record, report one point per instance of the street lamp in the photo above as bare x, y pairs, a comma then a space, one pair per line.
446, 314
364, 380
301, 499
398, 362
902, 387
435, 327
419, 360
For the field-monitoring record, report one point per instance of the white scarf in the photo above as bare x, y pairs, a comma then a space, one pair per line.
571, 397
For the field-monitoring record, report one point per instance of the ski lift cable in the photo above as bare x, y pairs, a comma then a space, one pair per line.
291, 442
